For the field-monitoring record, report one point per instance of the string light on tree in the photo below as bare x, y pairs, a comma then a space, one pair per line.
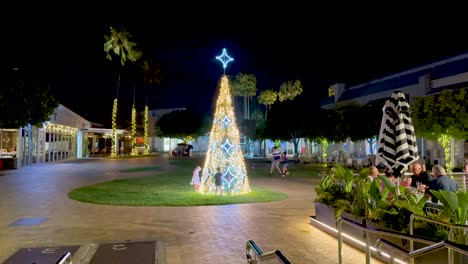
224, 149
134, 147
114, 127
146, 151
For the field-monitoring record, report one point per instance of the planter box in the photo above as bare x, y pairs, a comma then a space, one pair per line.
375, 237
350, 230
325, 214
8, 163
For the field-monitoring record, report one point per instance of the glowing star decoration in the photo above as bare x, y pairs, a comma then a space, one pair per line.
228, 176
224, 58
227, 146
224, 149
226, 121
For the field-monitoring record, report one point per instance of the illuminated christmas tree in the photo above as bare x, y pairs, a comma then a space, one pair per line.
224, 148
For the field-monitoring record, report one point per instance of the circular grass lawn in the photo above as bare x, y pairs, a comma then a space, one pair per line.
164, 189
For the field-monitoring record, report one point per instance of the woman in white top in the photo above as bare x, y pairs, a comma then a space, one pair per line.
196, 178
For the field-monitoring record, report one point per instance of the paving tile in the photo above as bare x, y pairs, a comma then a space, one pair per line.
201, 234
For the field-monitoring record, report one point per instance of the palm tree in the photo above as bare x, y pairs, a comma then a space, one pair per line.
151, 76
245, 85
267, 98
289, 90
118, 42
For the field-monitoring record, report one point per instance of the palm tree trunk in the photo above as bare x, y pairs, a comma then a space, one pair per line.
245, 107
248, 107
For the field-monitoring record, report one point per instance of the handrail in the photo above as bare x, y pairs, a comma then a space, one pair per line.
450, 226
251, 247
65, 258
367, 230
463, 249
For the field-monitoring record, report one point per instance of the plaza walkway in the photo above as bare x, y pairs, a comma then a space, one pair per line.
203, 234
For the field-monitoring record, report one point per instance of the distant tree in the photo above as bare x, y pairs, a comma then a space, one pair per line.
151, 72
151, 76
245, 85
359, 122
24, 100
259, 118
442, 117
182, 124
119, 44
285, 123
289, 90
267, 98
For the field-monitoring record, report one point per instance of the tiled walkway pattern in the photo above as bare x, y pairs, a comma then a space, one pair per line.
203, 234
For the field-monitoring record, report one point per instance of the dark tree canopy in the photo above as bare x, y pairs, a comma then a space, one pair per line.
358, 122
24, 99
181, 124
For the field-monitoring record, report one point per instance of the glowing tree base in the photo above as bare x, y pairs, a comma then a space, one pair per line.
224, 149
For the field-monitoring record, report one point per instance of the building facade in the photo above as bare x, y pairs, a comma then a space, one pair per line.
451, 73
62, 137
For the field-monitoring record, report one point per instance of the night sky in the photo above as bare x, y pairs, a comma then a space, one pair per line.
319, 48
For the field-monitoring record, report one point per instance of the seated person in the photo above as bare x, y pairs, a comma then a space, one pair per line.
419, 176
441, 181
374, 172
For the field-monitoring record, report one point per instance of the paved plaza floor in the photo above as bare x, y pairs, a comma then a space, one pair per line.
200, 234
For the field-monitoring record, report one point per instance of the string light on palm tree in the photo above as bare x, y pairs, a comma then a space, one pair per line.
118, 43
224, 149
134, 145
146, 150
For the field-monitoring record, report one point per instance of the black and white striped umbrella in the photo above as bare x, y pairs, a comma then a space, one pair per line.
397, 147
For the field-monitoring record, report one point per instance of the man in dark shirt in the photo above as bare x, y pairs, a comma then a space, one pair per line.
419, 176
441, 181
218, 184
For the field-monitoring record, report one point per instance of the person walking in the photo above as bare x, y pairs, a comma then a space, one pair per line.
275, 160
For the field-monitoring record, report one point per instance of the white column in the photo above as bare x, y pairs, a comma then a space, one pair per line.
452, 153
19, 148
49, 152
60, 134
79, 144
54, 144
117, 143
38, 145
30, 144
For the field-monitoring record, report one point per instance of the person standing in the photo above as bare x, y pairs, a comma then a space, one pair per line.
275, 160
218, 184
196, 178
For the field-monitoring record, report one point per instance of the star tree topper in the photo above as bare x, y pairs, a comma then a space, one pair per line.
225, 59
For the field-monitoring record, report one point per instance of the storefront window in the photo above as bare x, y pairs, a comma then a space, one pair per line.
8, 141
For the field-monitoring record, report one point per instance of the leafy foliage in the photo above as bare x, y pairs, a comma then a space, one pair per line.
118, 43
455, 211
289, 90
357, 195
357, 122
446, 113
268, 97
181, 124
24, 100
245, 85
